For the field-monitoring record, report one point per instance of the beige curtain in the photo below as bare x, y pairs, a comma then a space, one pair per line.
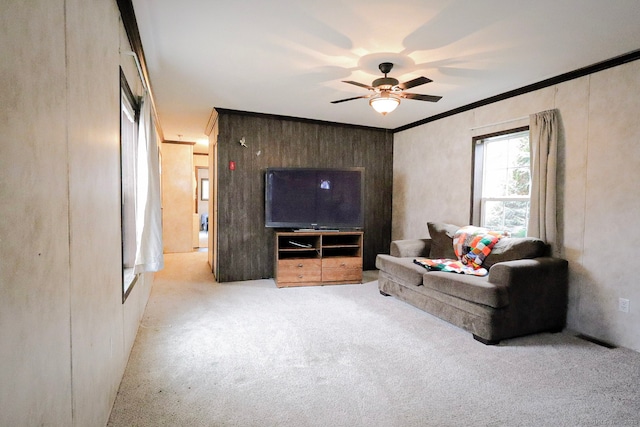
543, 137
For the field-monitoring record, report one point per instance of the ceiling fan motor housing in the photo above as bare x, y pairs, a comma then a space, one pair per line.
385, 83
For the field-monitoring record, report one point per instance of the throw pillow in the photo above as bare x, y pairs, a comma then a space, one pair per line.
442, 240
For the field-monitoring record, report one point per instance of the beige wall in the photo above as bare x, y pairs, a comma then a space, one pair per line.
178, 202
65, 333
201, 160
35, 332
598, 174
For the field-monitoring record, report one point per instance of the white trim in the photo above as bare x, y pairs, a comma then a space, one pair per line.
138, 66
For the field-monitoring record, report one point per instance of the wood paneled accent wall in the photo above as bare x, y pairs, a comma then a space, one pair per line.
245, 245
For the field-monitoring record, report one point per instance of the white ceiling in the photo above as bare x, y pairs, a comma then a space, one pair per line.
289, 57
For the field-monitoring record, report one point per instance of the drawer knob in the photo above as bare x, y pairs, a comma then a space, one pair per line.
300, 265
300, 276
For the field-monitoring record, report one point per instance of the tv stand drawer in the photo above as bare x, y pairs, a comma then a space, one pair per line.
342, 263
342, 269
299, 270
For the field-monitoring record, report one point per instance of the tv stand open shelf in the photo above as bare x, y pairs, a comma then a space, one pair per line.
318, 258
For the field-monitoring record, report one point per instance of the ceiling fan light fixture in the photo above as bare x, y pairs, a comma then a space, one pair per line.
384, 103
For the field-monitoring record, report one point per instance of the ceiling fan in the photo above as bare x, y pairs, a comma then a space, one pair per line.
387, 91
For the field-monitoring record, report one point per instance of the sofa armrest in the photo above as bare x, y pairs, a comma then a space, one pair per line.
544, 270
411, 248
538, 286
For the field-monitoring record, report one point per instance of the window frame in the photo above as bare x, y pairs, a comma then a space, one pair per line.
477, 175
129, 279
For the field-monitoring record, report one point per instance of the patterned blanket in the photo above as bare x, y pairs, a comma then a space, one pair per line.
450, 265
471, 245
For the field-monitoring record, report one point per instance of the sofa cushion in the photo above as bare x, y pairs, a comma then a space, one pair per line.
470, 288
442, 240
513, 248
402, 268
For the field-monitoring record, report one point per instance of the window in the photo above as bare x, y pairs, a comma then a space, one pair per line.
128, 161
502, 181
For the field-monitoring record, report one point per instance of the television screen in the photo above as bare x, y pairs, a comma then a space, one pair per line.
314, 198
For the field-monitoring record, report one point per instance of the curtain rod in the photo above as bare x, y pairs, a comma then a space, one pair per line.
135, 57
500, 123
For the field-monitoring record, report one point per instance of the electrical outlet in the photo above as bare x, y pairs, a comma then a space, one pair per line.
623, 305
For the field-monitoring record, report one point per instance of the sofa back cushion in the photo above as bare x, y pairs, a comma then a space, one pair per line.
513, 248
442, 240
507, 248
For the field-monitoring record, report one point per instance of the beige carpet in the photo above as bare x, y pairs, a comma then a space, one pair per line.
250, 354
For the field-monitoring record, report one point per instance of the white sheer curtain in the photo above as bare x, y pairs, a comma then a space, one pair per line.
543, 138
149, 255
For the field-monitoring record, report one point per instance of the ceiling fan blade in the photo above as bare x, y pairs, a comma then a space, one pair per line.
358, 84
419, 97
350, 99
413, 83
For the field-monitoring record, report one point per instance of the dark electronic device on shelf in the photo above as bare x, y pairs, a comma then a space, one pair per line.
300, 245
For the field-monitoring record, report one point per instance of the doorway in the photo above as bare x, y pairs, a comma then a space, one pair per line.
202, 207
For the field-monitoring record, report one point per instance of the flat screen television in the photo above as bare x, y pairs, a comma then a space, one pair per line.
314, 198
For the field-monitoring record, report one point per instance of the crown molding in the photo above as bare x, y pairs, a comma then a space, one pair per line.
581, 72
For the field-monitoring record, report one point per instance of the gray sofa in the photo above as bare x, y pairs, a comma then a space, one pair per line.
525, 291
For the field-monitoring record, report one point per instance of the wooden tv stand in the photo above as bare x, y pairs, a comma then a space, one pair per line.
318, 258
